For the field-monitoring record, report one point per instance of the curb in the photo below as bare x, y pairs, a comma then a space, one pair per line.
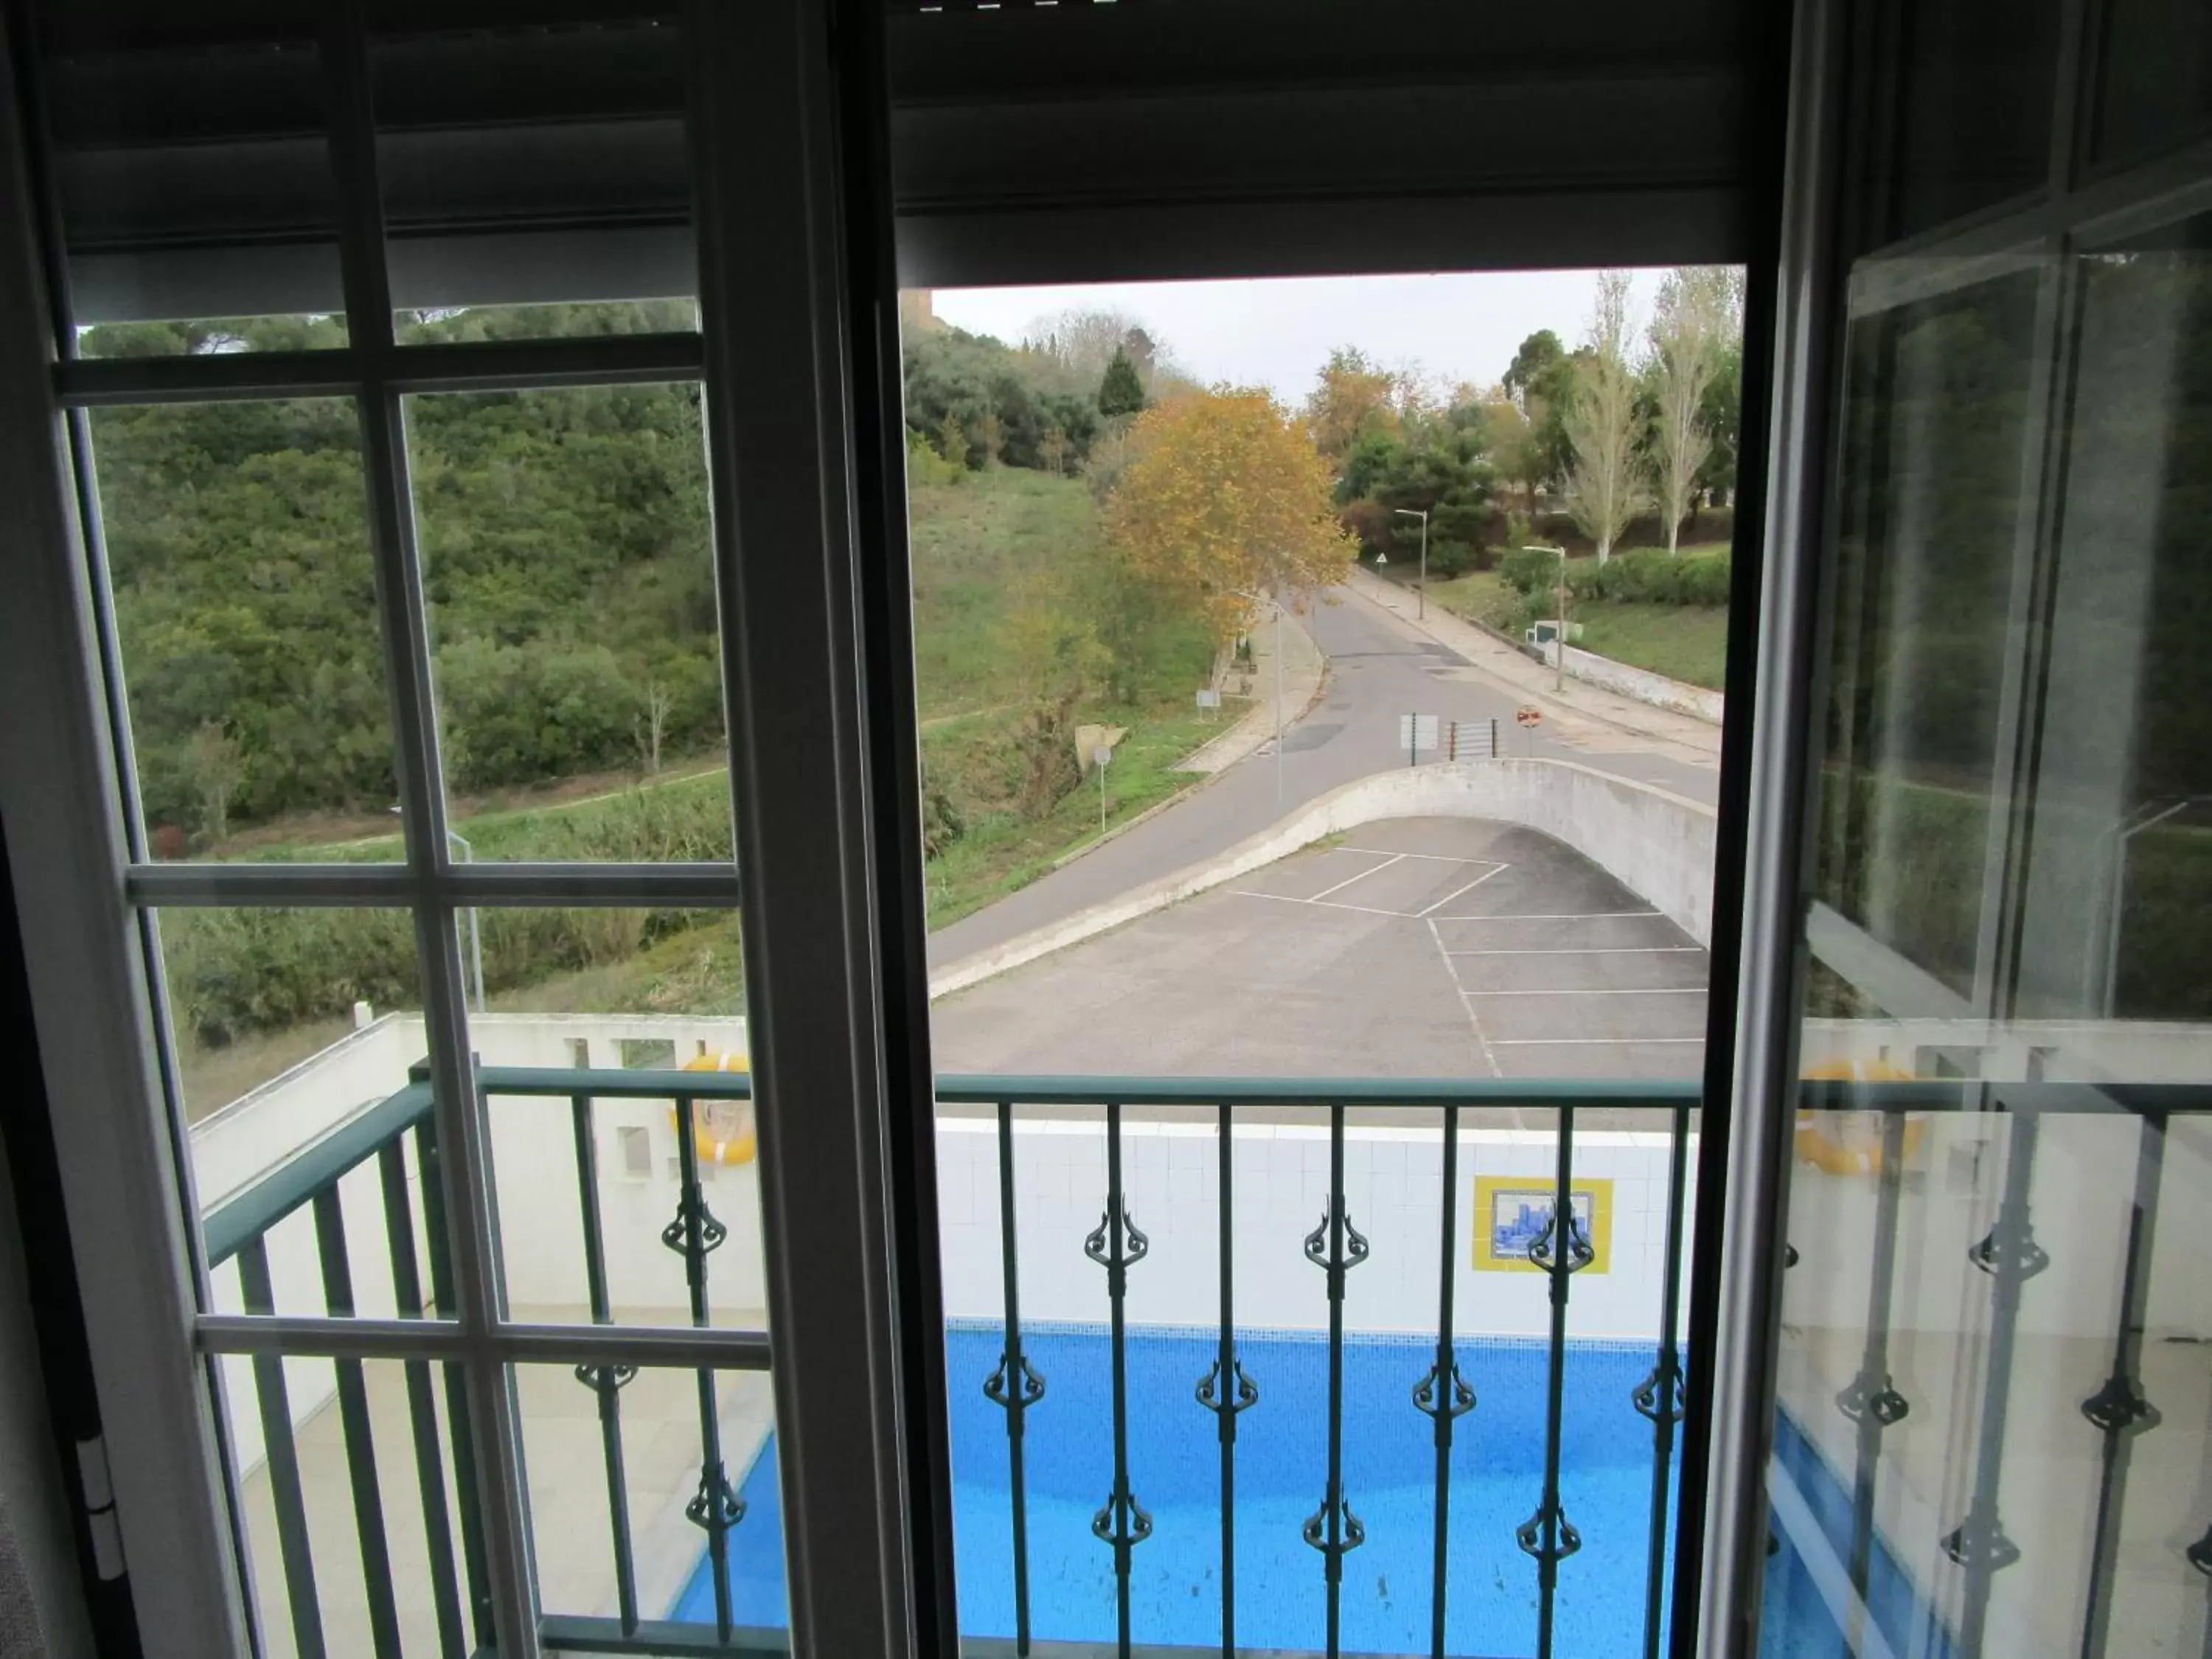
1521, 647
1205, 781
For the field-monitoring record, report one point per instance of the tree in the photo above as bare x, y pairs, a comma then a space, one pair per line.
1691, 329
1539, 383
1604, 484
650, 724
1352, 399
1222, 503
1121, 393
216, 763
1057, 660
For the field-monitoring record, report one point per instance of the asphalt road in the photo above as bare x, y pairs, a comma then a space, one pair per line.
1417, 947
1379, 669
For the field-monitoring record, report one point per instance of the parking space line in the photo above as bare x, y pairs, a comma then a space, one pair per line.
1581, 1041
1587, 950
1325, 904
1563, 916
1469, 888
1438, 858
1376, 869
1481, 1042
1628, 991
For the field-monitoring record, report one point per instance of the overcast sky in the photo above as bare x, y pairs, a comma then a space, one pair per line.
1277, 332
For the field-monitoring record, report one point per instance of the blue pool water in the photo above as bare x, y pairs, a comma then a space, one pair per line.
1389, 1465
1281, 1451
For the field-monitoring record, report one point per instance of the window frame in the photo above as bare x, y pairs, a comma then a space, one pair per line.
763, 147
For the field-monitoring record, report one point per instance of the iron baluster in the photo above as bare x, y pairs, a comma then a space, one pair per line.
1659, 1396
1015, 1386
2010, 1256
1226, 1392
2120, 1410
1561, 1250
606, 1382
1870, 1401
1336, 1247
1443, 1395
427, 1159
358, 1432
283, 1455
422, 1405
715, 1508
1117, 1245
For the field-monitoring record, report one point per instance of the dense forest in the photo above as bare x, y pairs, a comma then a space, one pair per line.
563, 538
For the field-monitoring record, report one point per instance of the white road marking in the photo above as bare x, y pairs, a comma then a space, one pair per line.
1439, 858
1563, 915
1372, 869
1480, 1040
1585, 951
1469, 888
1579, 1042
1326, 904
1633, 991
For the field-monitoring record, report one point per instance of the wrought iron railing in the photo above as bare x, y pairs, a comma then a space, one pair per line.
2009, 1256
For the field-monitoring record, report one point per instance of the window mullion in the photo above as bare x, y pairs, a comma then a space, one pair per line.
457, 1108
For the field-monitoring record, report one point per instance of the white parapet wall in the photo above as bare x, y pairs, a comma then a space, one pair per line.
1279, 1173
1643, 685
1657, 843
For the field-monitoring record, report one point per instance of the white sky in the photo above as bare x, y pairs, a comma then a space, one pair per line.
1278, 331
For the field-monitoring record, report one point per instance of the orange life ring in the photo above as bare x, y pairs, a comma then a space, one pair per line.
1842, 1143
722, 1130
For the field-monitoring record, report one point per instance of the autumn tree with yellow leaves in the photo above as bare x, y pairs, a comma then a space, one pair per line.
1223, 503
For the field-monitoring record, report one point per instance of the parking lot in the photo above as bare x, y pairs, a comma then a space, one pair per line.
1423, 947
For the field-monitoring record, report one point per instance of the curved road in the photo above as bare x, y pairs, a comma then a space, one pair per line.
1380, 667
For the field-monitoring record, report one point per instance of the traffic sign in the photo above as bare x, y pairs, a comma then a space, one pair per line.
1529, 714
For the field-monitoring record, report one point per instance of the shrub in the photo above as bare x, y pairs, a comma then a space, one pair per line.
1529, 569
1653, 577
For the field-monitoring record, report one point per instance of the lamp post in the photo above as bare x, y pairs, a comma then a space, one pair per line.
475, 936
1559, 644
1421, 605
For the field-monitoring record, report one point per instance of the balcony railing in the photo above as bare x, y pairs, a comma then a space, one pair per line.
1336, 1247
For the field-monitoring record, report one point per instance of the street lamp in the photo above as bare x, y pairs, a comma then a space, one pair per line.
476, 937
1558, 645
1421, 605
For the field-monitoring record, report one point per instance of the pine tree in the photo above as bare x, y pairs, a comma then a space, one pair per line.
1121, 392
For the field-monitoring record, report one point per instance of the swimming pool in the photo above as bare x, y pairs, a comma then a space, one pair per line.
1389, 1465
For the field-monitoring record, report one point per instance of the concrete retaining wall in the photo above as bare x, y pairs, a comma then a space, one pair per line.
1646, 686
1659, 844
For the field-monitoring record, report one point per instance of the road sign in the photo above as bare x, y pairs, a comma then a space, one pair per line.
1529, 714
1209, 697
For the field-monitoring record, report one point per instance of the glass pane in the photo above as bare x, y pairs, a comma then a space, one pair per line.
294, 1032
199, 211
245, 615
608, 1505
566, 558
585, 1194
365, 1469
1969, 96
1985, 1442
2156, 67
537, 173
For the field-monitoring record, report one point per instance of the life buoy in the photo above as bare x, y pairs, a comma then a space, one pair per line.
1847, 1143
722, 1130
